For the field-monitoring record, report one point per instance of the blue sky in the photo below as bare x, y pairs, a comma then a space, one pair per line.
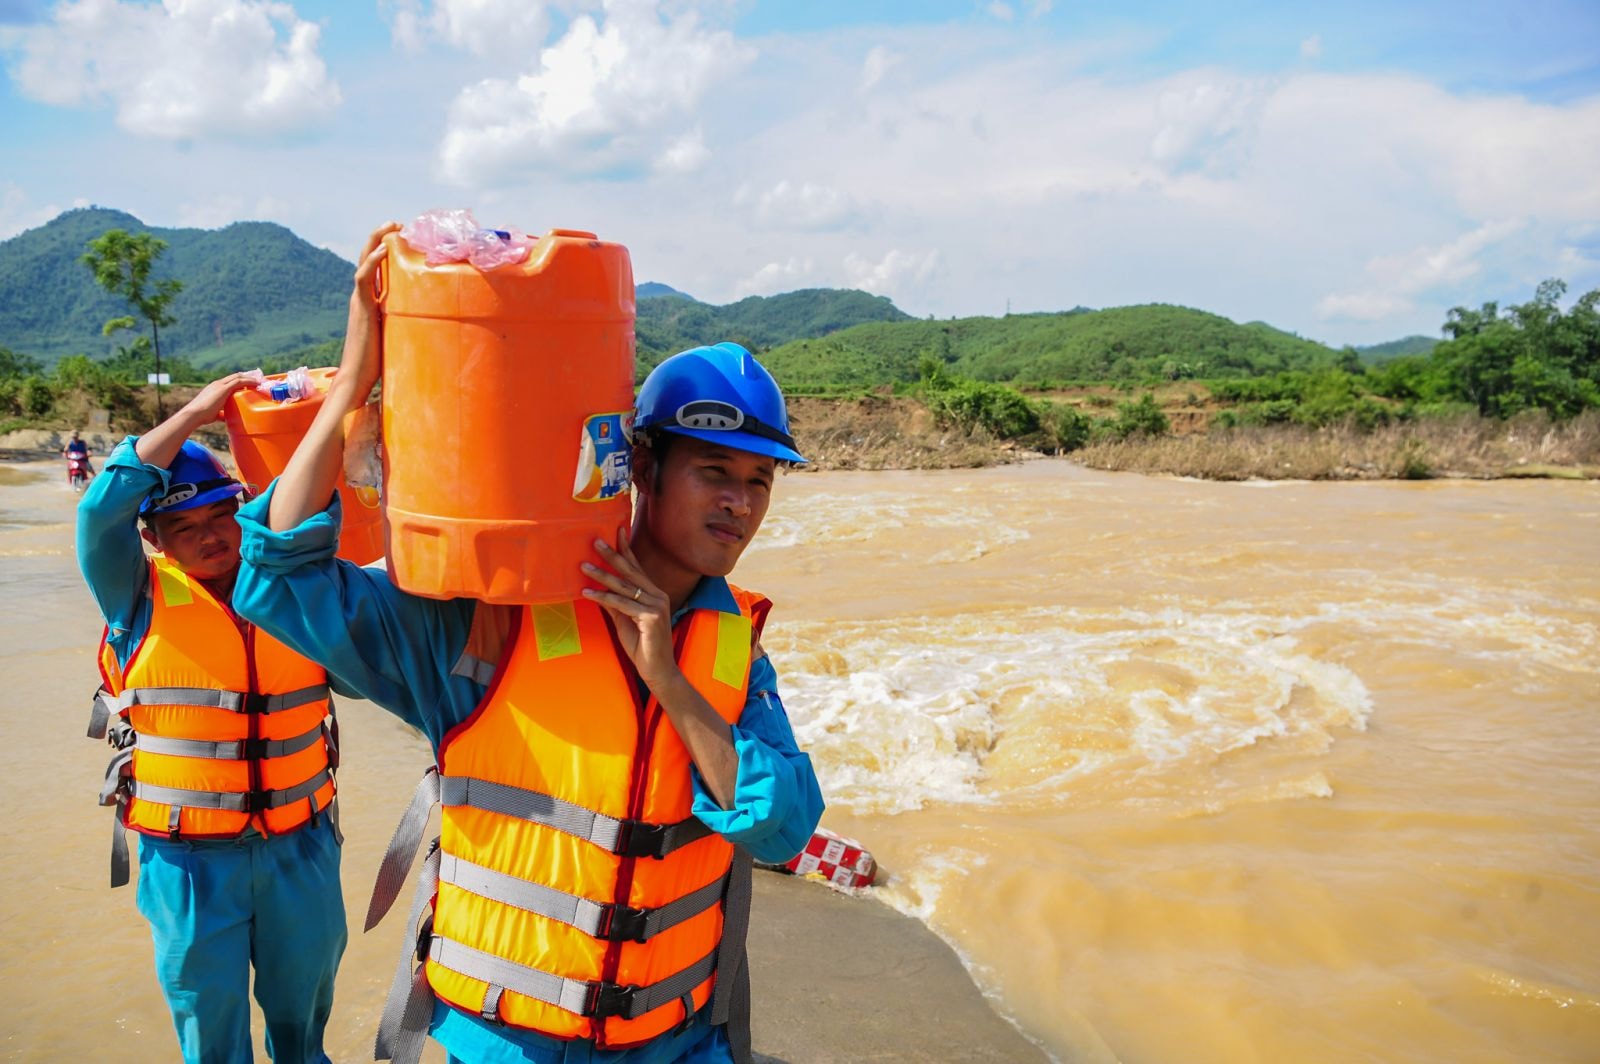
1349, 172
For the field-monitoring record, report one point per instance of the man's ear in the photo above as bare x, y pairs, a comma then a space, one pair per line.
644, 468
150, 537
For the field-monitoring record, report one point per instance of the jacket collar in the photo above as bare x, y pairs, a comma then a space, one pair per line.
711, 593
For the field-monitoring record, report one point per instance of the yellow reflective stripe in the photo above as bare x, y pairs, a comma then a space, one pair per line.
555, 627
732, 663
174, 588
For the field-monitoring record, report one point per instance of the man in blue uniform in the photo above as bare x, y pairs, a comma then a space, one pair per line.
703, 494
215, 906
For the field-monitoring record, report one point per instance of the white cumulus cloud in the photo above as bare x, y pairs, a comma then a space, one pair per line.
18, 213
181, 69
777, 277
612, 95
880, 60
1394, 279
896, 275
800, 205
1311, 47
1206, 124
514, 28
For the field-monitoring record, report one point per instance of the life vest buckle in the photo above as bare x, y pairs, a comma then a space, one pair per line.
623, 923
121, 735
610, 999
639, 838
425, 938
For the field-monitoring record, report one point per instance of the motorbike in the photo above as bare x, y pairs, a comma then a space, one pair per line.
77, 471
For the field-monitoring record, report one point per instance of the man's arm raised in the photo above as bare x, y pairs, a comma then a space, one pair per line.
308, 481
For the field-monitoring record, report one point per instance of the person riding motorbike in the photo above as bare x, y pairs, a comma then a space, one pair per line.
79, 470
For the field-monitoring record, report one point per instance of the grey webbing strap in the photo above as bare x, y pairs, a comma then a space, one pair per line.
117, 777
604, 831
738, 1031
491, 1003
333, 818
233, 750
574, 995
100, 713
730, 1002
121, 869
232, 801
235, 701
591, 917
409, 1005
544, 809
569, 994
395, 867
473, 668
114, 792
180, 696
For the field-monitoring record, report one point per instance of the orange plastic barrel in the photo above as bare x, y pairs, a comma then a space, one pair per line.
507, 399
263, 433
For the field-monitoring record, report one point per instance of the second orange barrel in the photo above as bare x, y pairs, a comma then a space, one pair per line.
262, 435
507, 398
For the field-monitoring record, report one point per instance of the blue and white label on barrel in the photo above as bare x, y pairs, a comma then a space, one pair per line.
605, 460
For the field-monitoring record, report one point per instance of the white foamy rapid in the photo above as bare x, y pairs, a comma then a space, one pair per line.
985, 707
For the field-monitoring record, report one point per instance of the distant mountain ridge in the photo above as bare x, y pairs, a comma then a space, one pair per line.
1139, 343
250, 289
257, 294
1406, 345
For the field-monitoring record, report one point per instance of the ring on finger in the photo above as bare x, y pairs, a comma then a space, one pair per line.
638, 593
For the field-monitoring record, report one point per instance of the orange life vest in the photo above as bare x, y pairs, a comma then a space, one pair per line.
577, 895
219, 729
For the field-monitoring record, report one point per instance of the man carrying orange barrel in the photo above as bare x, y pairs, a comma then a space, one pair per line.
607, 767
224, 764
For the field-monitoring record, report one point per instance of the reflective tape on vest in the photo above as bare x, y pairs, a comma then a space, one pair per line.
232, 750
615, 923
629, 838
234, 701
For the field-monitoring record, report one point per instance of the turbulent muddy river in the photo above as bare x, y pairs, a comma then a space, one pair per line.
1185, 771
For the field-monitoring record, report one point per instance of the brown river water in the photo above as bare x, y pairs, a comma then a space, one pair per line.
1184, 771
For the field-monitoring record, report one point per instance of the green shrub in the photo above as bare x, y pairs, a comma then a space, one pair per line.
1368, 414
996, 408
1143, 417
1063, 427
1271, 412
36, 397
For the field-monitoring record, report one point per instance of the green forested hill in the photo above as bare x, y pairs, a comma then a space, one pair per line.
1123, 343
250, 290
669, 323
1410, 345
257, 295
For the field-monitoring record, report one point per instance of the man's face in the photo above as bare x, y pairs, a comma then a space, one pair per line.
204, 541
707, 502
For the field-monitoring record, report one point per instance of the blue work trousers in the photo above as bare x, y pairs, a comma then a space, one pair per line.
215, 909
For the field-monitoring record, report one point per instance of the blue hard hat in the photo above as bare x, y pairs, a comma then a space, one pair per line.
195, 478
720, 394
